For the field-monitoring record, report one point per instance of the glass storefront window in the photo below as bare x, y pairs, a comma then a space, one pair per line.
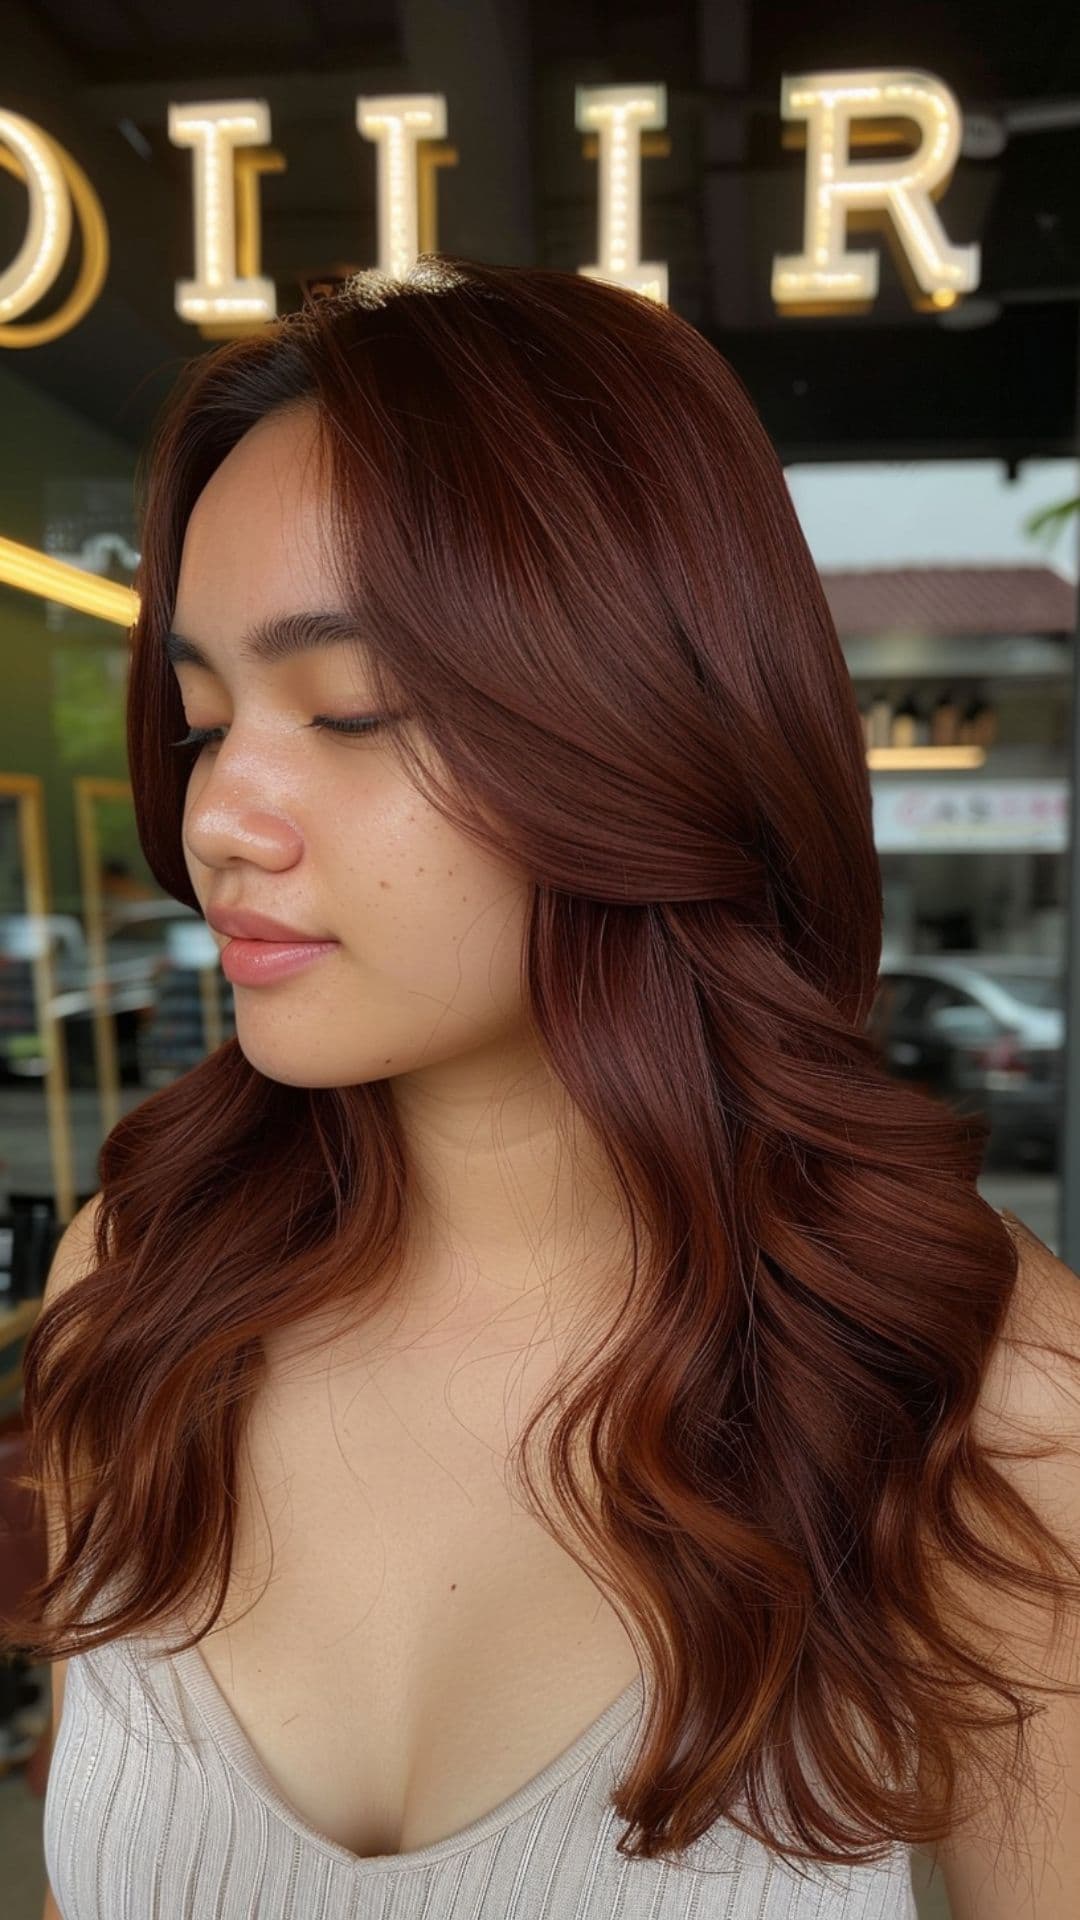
958, 623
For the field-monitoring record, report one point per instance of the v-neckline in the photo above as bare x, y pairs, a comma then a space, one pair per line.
231, 1740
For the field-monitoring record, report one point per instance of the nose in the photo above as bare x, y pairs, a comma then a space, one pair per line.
225, 822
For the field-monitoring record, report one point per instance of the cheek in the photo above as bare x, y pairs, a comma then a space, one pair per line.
446, 926
485, 927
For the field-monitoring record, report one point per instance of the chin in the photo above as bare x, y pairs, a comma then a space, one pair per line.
276, 1064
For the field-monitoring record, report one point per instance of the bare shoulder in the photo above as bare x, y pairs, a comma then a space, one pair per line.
1034, 1375
1020, 1859
75, 1254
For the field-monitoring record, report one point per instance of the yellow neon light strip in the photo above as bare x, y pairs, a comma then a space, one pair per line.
36, 572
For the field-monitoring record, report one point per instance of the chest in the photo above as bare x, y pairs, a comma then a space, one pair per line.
404, 1644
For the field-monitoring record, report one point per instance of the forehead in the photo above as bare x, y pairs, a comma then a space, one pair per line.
257, 545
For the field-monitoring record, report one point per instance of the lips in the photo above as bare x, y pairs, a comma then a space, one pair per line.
242, 923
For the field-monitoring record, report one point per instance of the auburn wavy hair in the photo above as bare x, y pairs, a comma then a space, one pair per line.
634, 687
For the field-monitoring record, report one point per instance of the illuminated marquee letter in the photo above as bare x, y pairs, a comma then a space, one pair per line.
836, 185
48, 226
214, 129
617, 115
395, 122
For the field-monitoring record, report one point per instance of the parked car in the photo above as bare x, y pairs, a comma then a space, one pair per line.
192, 1003
154, 952
986, 1032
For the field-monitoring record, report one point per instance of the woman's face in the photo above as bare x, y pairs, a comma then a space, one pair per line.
319, 829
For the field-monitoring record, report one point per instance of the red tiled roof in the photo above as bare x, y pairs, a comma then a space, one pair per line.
943, 600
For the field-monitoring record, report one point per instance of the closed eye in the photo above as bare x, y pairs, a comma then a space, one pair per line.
203, 736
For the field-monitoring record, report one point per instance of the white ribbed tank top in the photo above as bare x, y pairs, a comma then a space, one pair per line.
158, 1808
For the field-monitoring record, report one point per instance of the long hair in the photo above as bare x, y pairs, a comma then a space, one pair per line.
569, 539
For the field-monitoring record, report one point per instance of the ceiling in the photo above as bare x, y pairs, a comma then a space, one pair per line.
892, 383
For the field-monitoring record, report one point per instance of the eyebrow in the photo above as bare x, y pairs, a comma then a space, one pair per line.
270, 641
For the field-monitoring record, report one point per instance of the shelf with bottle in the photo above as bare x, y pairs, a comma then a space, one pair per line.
926, 722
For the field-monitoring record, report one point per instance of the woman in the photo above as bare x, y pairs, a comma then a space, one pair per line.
544, 1337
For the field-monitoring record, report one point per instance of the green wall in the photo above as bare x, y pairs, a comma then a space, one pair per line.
61, 689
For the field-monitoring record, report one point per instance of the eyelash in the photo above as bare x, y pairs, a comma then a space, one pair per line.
203, 736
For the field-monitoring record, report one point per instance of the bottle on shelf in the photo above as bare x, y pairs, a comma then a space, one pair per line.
908, 727
979, 725
945, 721
880, 719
